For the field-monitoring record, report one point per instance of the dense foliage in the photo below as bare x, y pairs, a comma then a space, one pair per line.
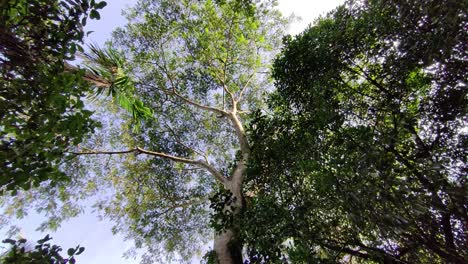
193, 70
42, 253
41, 108
362, 154
197, 65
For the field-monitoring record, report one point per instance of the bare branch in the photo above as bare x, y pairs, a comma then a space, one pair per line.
200, 106
90, 77
245, 86
173, 91
96, 152
200, 163
177, 139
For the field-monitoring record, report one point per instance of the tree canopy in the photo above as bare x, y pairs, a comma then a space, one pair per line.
362, 154
41, 107
358, 156
194, 70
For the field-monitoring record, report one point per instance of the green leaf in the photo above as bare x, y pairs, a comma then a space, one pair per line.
71, 251
73, 48
9, 241
80, 250
94, 15
45, 239
100, 5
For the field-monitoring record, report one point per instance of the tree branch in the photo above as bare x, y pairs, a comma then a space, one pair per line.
200, 106
138, 150
231, 95
177, 139
90, 77
364, 74
174, 92
180, 205
245, 86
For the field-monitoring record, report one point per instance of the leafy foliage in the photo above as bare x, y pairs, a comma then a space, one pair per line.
183, 55
363, 153
109, 65
41, 110
222, 204
43, 253
198, 68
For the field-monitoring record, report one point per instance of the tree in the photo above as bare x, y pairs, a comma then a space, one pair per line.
43, 253
197, 68
362, 155
41, 107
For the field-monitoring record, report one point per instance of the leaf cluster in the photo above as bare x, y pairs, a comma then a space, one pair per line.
363, 154
222, 206
43, 253
41, 109
109, 65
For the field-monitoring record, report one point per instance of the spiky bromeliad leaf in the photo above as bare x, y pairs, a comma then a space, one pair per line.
109, 63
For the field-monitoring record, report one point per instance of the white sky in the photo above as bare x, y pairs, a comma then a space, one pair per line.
308, 10
101, 246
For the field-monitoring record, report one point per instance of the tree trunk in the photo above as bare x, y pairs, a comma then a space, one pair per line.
227, 245
228, 249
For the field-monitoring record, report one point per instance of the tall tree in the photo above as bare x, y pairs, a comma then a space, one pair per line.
362, 155
199, 68
41, 108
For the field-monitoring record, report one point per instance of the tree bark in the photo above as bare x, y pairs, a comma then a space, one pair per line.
227, 245
228, 249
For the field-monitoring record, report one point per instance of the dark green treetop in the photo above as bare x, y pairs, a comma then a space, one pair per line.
362, 155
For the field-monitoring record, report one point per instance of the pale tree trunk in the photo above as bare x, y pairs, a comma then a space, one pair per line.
228, 249
227, 245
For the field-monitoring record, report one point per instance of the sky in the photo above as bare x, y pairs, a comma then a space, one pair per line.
86, 230
308, 10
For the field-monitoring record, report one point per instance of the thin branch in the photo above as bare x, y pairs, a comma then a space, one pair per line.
356, 90
200, 163
200, 106
174, 92
245, 86
90, 77
181, 205
186, 100
92, 152
231, 95
177, 139
364, 74
343, 248
225, 62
